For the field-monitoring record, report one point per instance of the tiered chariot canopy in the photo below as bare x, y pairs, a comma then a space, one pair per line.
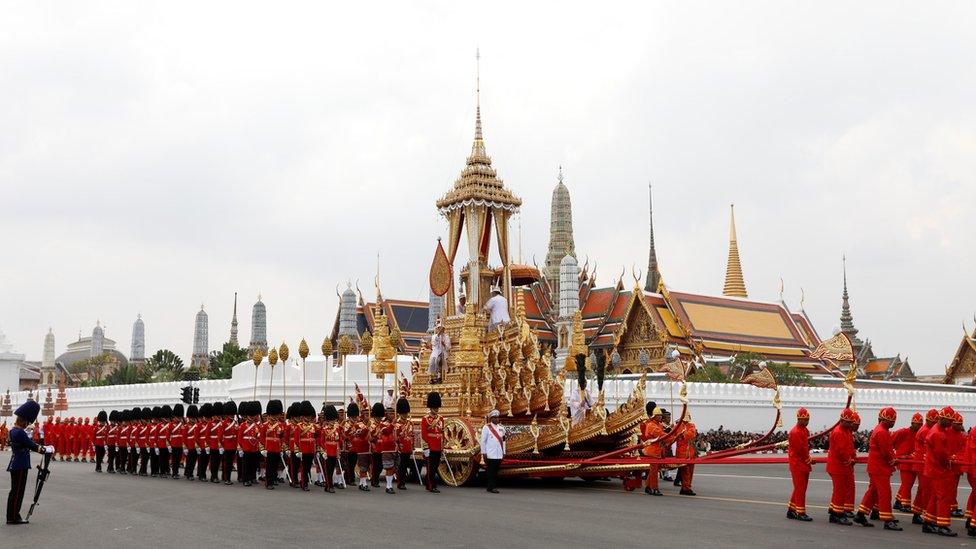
478, 200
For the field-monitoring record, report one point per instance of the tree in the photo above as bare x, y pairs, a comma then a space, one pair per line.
709, 374
786, 374
164, 365
222, 362
126, 375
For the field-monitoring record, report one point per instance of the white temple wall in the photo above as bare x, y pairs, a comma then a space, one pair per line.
734, 406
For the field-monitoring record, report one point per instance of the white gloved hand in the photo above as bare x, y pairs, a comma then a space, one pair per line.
287, 453
426, 453
264, 453
240, 453
207, 450
156, 450
298, 454
169, 448
221, 450
186, 452
49, 449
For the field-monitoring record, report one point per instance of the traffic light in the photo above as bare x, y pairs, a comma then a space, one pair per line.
186, 393
196, 395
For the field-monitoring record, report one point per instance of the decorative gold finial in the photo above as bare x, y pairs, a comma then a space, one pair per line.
257, 357
735, 285
283, 352
326, 347
303, 349
273, 357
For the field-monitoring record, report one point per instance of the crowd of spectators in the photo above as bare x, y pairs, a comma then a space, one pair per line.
723, 439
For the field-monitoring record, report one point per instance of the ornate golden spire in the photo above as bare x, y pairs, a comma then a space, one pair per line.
735, 285
478, 180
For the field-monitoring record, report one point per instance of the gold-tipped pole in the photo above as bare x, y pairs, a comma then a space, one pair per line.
283, 353
272, 361
257, 357
345, 346
303, 352
327, 353
366, 342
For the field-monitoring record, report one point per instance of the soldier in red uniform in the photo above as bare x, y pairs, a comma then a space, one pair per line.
923, 493
432, 433
215, 436
163, 439
306, 440
101, 433
799, 462
357, 432
938, 470
329, 438
685, 449
881, 460
190, 436
112, 439
293, 462
203, 440
350, 457
248, 441
903, 442
851, 482
152, 442
840, 466
122, 451
228, 445
272, 433
384, 442
177, 440
404, 442
376, 415
143, 440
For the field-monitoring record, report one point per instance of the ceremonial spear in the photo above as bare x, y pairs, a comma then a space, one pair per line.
366, 342
272, 360
283, 353
327, 353
257, 357
303, 352
344, 348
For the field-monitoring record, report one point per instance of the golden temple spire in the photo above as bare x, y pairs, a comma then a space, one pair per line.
735, 285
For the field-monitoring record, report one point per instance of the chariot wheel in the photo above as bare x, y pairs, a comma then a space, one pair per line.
459, 435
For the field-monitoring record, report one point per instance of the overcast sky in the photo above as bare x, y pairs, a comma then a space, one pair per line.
156, 156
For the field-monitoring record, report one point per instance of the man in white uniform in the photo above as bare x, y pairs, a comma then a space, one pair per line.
493, 448
497, 309
440, 348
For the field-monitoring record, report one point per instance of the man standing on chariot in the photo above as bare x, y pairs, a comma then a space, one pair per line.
440, 349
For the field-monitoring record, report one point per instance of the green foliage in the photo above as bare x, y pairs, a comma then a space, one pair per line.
126, 375
709, 374
164, 365
222, 362
788, 375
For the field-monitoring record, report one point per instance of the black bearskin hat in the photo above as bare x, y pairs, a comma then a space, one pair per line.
331, 414
178, 410
308, 410
378, 410
113, 416
255, 408
166, 412
403, 406
102, 416
433, 399
230, 408
192, 411
218, 409
291, 411
275, 407
352, 410
156, 412
206, 410
146, 413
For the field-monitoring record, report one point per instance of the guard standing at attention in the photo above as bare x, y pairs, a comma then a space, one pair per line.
101, 434
840, 466
20, 446
404, 437
432, 433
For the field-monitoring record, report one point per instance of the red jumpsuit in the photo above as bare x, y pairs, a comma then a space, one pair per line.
968, 455
903, 442
652, 430
686, 450
937, 470
881, 454
924, 488
840, 460
957, 448
799, 461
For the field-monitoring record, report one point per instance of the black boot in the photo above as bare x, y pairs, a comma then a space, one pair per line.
943, 531
957, 513
804, 517
892, 525
791, 514
875, 515
929, 529
839, 518
862, 520
917, 519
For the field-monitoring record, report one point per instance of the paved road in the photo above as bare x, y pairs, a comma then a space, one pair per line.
737, 506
